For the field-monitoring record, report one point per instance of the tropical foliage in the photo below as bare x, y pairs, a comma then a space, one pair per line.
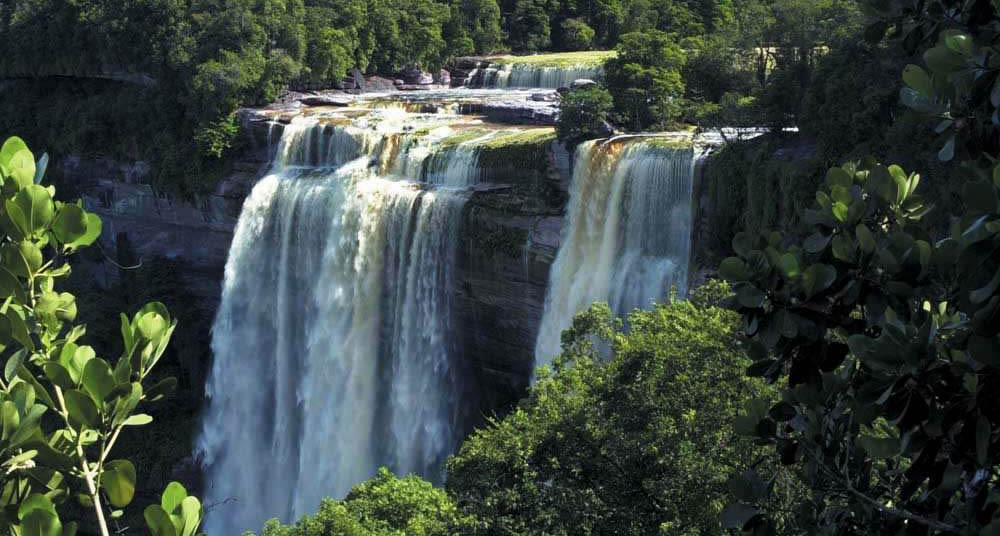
384, 505
63, 407
887, 330
640, 444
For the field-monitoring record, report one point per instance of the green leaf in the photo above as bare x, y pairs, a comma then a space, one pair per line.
35, 502
172, 497
816, 242
151, 325
742, 244
19, 328
28, 377
37, 208
22, 259
18, 161
918, 79
118, 480
191, 513
839, 177
139, 419
127, 404
158, 521
818, 278
748, 295
843, 248
959, 42
734, 269
736, 516
40, 523
13, 363
10, 285
865, 239
11, 419
98, 380
788, 265
94, 227
70, 224
161, 389
841, 211
82, 410
943, 60
57, 374
75, 360
29, 426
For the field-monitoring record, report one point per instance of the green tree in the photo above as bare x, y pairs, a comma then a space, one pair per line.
386, 504
477, 21
89, 400
528, 26
576, 35
636, 445
584, 114
645, 79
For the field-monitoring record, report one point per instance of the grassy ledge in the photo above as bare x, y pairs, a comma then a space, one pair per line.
562, 59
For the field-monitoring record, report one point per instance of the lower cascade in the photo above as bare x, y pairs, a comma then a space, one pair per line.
627, 238
332, 341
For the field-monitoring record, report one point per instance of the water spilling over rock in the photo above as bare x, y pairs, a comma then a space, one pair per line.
347, 314
333, 342
627, 239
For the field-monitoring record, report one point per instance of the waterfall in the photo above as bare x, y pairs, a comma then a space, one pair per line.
535, 76
331, 344
627, 239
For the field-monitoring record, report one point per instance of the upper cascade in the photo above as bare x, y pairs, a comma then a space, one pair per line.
627, 239
534, 76
543, 71
334, 345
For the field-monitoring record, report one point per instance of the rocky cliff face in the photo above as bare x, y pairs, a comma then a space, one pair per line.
509, 240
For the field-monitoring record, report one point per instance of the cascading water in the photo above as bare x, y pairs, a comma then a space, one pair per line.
627, 238
332, 342
534, 76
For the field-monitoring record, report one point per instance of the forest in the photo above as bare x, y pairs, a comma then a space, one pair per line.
835, 370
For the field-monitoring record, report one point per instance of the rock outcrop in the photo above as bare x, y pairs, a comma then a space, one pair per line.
510, 239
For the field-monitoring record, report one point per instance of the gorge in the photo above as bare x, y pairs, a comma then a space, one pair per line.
395, 274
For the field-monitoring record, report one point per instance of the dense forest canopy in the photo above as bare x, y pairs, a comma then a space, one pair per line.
160, 80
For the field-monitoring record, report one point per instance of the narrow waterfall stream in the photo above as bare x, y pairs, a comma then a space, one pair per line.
332, 342
627, 237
